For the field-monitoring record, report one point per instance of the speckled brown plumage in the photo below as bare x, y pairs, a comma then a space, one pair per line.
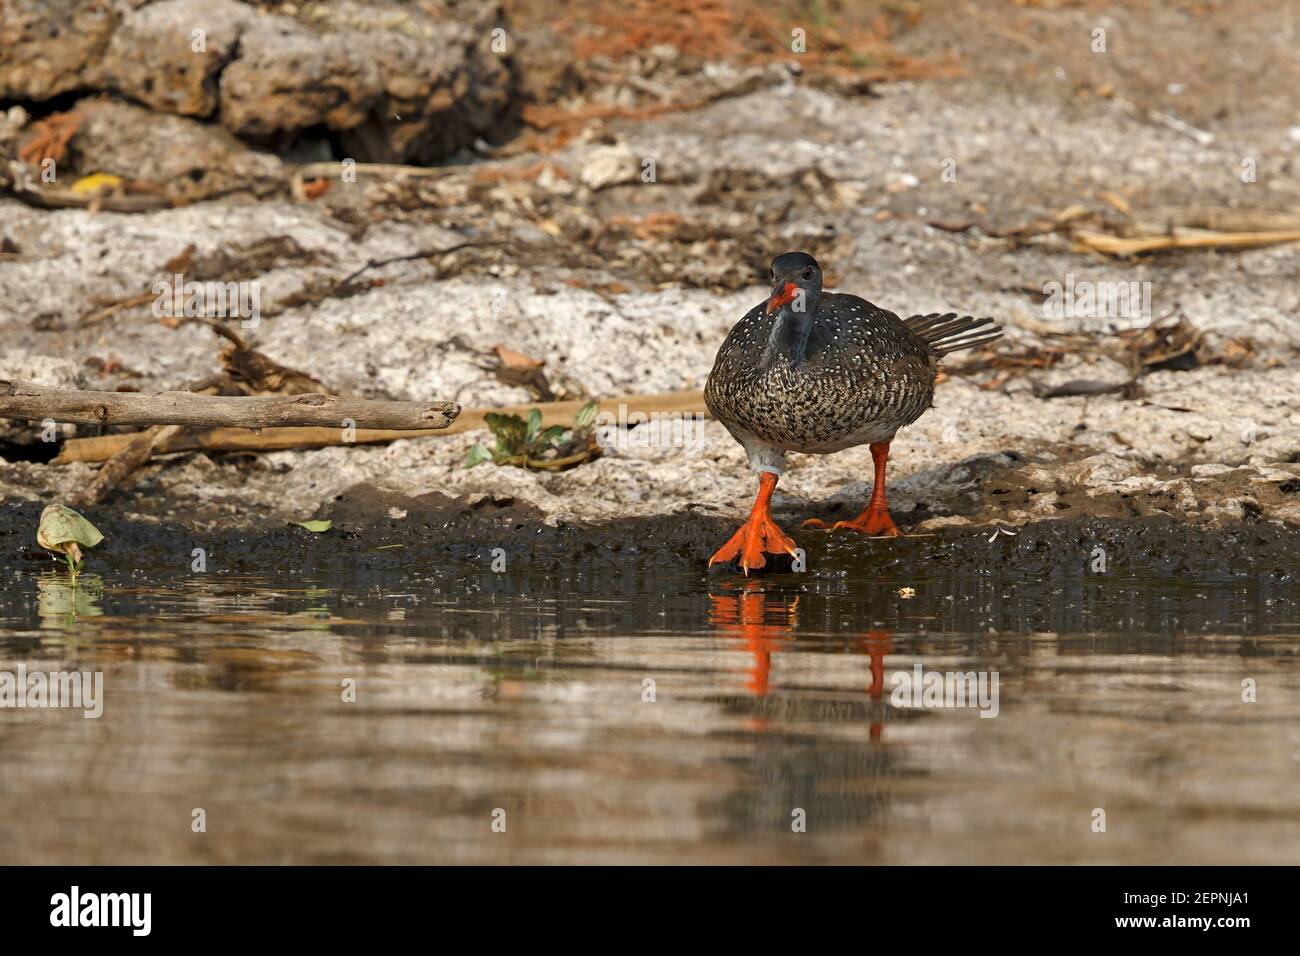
863, 374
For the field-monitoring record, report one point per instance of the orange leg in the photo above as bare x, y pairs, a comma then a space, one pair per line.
874, 519
759, 535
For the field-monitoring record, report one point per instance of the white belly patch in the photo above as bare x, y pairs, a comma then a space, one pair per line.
762, 456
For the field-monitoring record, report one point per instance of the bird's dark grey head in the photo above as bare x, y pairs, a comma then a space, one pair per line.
796, 286
796, 283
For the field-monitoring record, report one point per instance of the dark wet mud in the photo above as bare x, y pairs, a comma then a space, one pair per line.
377, 531
1149, 574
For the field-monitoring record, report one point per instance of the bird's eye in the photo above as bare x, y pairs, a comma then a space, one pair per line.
808, 273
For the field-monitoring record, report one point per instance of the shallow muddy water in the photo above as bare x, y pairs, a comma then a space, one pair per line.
658, 715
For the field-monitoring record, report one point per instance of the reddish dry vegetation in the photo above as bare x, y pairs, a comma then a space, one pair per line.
848, 38
49, 138
576, 48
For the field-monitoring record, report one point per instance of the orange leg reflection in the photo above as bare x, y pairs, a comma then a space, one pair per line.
758, 619
876, 645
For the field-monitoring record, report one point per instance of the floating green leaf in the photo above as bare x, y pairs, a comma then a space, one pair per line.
66, 532
315, 525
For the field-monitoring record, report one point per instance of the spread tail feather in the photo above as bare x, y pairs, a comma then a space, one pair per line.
950, 333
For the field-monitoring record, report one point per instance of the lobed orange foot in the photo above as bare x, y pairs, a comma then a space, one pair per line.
874, 521
758, 536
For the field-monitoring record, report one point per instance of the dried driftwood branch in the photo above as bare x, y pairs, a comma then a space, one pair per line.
104, 447
37, 403
247, 371
70, 199
1086, 240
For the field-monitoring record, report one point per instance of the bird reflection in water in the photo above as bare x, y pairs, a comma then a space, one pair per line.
762, 620
876, 645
